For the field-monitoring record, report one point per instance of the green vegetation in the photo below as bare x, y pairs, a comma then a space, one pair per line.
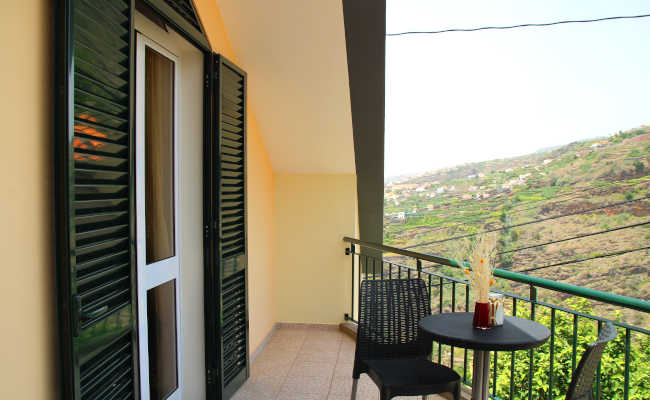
591, 174
612, 367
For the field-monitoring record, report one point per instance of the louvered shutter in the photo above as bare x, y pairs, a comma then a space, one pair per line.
95, 223
227, 332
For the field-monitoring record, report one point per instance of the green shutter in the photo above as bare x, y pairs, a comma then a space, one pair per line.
94, 199
227, 332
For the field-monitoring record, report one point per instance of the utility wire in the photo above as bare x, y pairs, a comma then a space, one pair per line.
617, 253
584, 235
528, 222
485, 28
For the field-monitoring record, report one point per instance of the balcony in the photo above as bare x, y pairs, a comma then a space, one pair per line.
312, 362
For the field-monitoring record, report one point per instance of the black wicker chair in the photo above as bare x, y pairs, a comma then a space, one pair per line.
581, 386
391, 348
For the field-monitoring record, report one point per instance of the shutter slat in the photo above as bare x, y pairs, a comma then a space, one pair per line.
85, 207
101, 273
230, 151
232, 159
93, 234
231, 131
115, 299
232, 76
112, 61
88, 160
100, 176
110, 389
96, 102
236, 142
228, 105
98, 88
234, 122
88, 128
108, 78
90, 15
85, 294
89, 37
106, 259
94, 374
99, 190
100, 117
233, 228
109, 9
100, 246
185, 9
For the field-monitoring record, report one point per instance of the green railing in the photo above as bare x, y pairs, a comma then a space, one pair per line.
542, 373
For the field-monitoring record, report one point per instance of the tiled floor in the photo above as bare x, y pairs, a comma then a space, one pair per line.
306, 363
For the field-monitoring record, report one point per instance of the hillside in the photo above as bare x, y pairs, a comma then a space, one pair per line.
602, 183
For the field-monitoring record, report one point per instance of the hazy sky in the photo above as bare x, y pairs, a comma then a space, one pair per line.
458, 97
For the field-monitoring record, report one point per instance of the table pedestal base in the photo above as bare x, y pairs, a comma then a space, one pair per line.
481, 376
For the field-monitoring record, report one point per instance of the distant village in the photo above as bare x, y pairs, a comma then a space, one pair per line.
396, 193
416, 195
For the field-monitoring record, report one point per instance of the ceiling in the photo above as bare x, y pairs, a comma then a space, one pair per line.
295, 56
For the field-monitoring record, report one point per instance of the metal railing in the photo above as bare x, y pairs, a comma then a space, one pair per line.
542, 373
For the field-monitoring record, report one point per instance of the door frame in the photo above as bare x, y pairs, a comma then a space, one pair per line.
166, 269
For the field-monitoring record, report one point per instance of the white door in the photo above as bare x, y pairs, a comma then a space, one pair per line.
157, 220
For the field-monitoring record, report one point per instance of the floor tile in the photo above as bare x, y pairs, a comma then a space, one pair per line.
308, 368
306, 384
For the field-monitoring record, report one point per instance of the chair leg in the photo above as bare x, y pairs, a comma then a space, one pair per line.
457, 392
355, 382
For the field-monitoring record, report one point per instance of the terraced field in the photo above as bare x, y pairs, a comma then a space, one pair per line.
578, 213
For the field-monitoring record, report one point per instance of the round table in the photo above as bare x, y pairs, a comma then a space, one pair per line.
456, 329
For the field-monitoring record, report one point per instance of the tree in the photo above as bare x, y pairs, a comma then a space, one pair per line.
639, 167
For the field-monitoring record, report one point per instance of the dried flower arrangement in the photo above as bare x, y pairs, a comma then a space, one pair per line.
481, 255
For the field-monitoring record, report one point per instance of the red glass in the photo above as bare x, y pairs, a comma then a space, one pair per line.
482, 316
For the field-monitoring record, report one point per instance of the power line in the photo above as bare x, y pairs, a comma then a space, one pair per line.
485, 28
617, 253
528, 222
584, 235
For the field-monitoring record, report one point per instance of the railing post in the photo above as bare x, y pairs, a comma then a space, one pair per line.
531, 363
350, 251
512, 354
419, 267
626, 373
598, 370
551, 356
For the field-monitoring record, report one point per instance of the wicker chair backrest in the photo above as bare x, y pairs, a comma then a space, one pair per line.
389, 314
583, 378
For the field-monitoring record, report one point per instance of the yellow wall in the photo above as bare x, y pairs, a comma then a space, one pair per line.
260, 196
298, 217
312, 272
28, 335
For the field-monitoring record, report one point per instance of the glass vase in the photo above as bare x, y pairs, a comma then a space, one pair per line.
482, 316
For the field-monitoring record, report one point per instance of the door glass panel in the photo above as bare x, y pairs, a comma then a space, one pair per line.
161, 321
159, 156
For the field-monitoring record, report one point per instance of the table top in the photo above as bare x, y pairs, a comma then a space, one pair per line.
456, 329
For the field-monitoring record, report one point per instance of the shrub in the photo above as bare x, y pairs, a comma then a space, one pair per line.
612, 367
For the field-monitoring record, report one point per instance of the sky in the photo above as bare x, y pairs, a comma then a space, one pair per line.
462, 97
